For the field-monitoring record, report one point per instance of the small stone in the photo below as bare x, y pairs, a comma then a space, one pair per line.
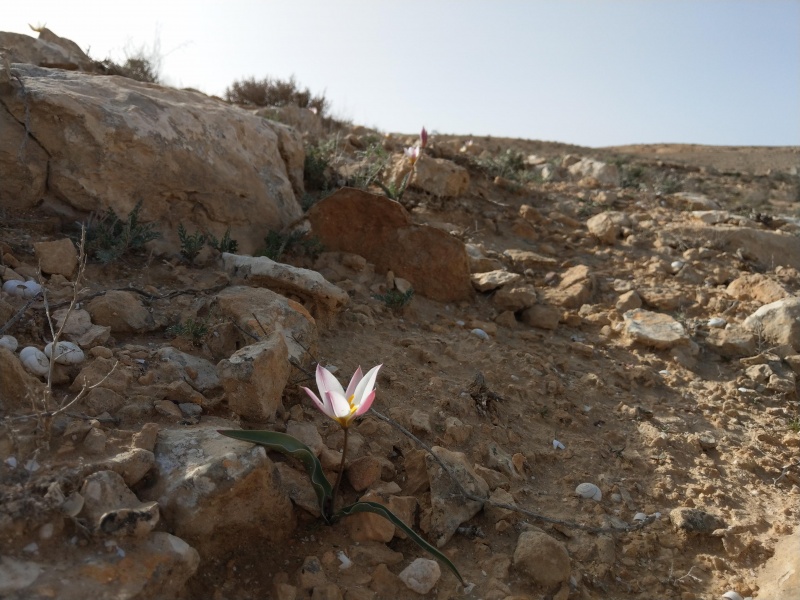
146, 438
363, 472
421, 422
628, 301
654, 329
311, 574
421, 575
306, 433
542, 558
694, 520
168, 409
707, 441
190, 410
542, 316
486, 282
95, 441
329, 591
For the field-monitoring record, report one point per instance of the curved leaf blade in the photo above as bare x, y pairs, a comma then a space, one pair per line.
379, 509
291, 446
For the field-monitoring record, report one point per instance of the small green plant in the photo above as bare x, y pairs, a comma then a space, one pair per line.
343, 407
226, 244
277, 245
318, 165
191, 329
633, 176
372, 162
109, 238
668, 184
395, 299
191, 245
794, 425
508, 165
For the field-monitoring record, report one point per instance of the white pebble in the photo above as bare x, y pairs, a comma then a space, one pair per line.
11, 462
67, 353
589, 490
22, 289
717, 322
557, 445
34, 361
480, 333
346, 562
731, 595
9, 342
421, 575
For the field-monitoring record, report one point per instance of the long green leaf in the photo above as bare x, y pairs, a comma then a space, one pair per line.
291, 446
379, 509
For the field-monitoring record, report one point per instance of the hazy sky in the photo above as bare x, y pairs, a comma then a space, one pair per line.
592, 72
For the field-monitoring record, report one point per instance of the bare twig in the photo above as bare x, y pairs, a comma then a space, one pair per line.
511, 507
16, 316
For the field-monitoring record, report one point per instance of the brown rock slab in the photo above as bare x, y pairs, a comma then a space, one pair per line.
18, 387
381, 231
122, 311
757, 287
491, 280
56, 257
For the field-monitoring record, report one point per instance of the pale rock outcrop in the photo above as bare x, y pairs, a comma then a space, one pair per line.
111, 141
778, 322
768, 248
216, 492
491, 280
654, 329
757, 287
734, 341
304, 120
525, 259
254, 378
322, 298
380, 230
575, 289
608, 226
49, 50
260, 311
779, 577
515, 297
604, 173
436, 176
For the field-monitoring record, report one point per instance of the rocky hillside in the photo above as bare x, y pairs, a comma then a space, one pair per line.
590, 356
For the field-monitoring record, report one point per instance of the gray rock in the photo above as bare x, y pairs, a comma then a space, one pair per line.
654, 329
198, 372
217, 492
449, 508
422, 575
491, 280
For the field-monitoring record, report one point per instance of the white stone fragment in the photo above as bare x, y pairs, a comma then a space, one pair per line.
34, 361
9, 342
421, 575
67, 353
22, 289
589, 490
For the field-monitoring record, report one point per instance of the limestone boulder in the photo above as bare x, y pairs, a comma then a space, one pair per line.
254, 378
303, 120
654, 329
48, 50
779, 577
575, 289
260, 311
111, 141
217, 493
436, 176
322, 298
380, 230
604, 173
756, 287
24, 182
778, 322
607, 226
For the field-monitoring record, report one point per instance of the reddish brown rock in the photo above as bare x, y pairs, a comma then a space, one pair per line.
381, 231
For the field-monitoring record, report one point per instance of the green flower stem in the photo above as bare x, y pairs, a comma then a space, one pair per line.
341, 470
